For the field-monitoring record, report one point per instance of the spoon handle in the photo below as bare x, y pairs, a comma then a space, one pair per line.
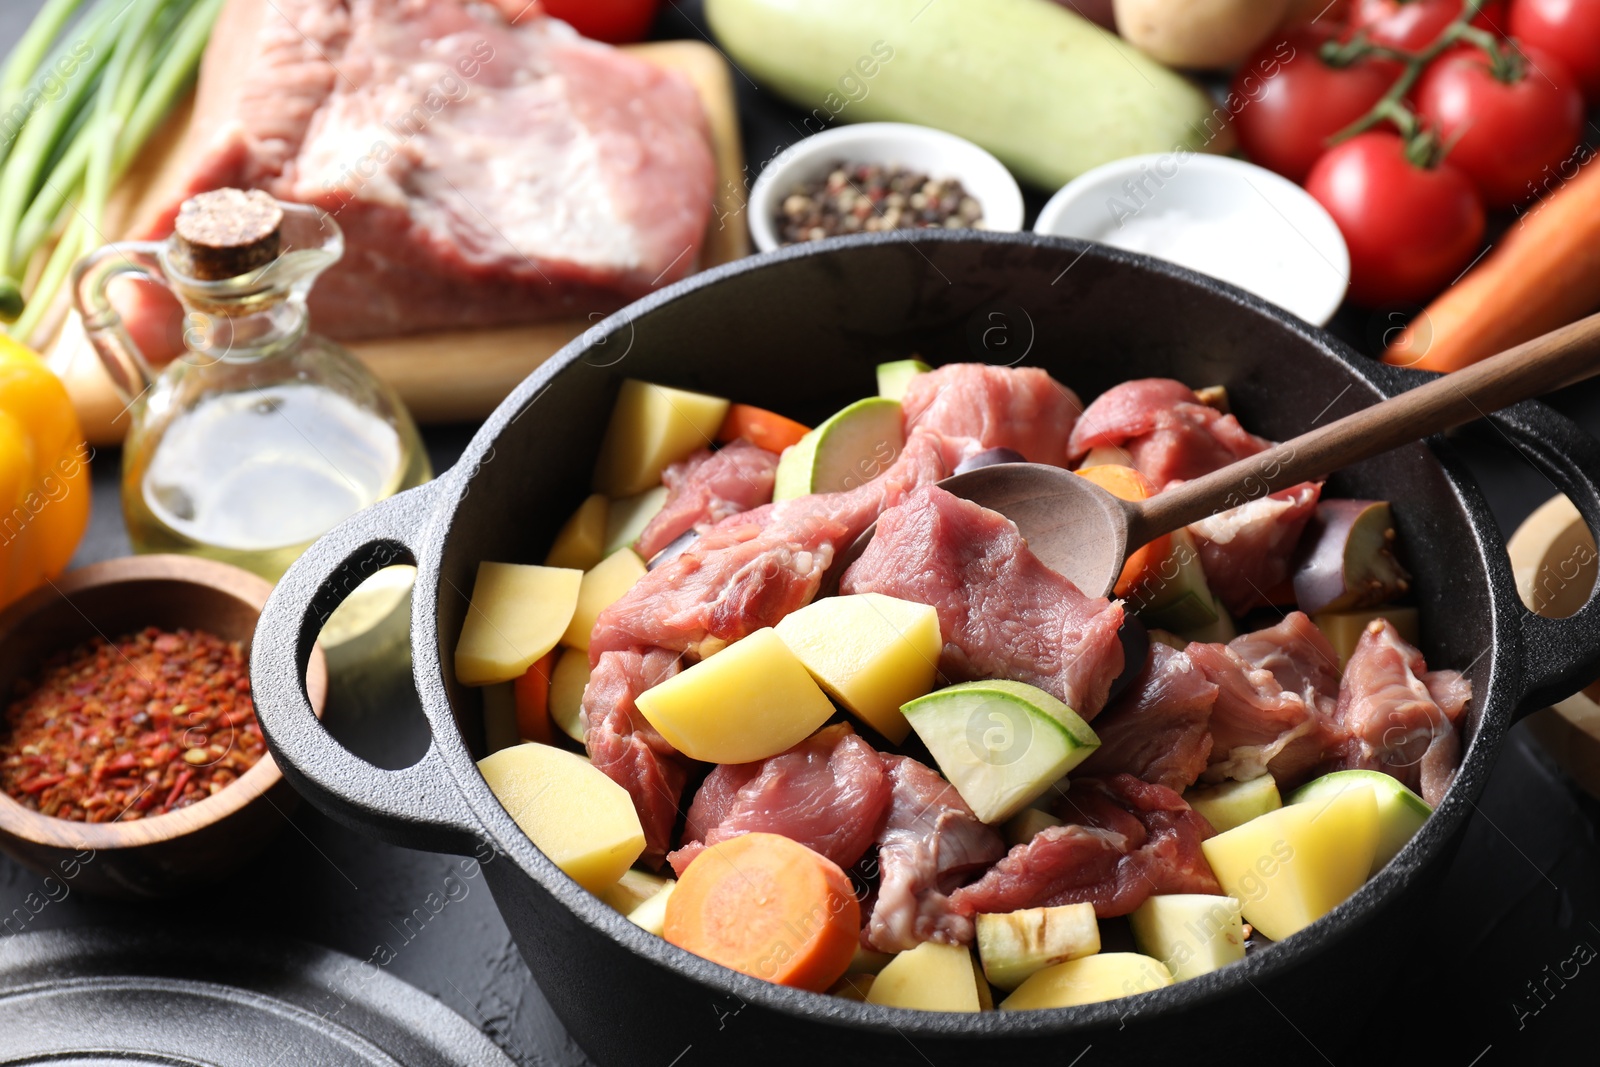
1556, 359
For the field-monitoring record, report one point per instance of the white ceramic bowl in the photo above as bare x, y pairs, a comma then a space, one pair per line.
1219, 216
934, 152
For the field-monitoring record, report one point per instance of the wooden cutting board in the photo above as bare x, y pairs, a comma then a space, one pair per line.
443, 377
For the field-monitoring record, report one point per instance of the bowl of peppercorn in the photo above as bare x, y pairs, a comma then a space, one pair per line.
880, 176
131, 761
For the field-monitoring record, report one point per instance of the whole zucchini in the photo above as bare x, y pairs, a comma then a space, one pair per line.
1049, 93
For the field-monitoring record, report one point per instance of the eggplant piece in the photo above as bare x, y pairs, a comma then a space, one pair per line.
988, 458
1135, 650
673, 547
1351, 562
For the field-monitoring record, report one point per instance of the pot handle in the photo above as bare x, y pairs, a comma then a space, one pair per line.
419, 806
1559, 656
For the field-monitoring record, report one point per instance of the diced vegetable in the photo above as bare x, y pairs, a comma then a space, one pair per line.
1190, 933
1168, 638
1343, 629
1290, 867
928, 59
1143, 566
1174, 594
500, 717
1106, 455
627, 518
1000, 743
1220, 629
850, 448
988, 458
531, 693
567, 683
854, 987
1025, 825
652, 914
581, 541
1351, 563
652, 426
1105, 976
870, 652
1015, 946
752, 700
518, 613
769, 907
601, 587
633, 889
931, 977
1401, 812
582, 820
894, 377
866, 961
1235, 803
760, 427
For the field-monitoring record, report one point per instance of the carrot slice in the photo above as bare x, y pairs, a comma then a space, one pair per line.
761, 427
769, 907
1125, 483
531, 693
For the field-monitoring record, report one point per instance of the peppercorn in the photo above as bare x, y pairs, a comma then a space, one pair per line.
871, 197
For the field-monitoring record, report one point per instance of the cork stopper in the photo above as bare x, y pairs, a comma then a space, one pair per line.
226, 233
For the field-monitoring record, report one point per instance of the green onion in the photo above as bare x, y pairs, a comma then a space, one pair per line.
132, 59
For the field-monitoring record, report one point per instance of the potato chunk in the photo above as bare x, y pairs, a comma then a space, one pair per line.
752, 700
652, 426
582, 820
518, 613
872, 653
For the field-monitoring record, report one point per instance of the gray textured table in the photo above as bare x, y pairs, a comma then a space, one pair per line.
1494, 983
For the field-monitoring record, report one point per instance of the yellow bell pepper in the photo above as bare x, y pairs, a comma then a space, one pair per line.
44, 473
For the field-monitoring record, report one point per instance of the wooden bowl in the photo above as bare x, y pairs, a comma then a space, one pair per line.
161, 854
1554, 560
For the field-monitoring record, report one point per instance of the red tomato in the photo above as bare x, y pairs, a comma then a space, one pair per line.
1287, 102
1566, 29
1504, 134
1412, 25
615, 21
1410, 230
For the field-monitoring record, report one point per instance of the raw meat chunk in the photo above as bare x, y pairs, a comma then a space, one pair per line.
930, 843
1400, 716
483, 173
706, 488
1124, 840
1159, 730
1002, 612
829, 793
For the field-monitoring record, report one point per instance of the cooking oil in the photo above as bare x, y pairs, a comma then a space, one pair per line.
260, 436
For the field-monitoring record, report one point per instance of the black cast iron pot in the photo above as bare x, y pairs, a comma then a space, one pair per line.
799, 332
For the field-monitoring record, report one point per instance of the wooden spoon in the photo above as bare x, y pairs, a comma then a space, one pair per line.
1084, 533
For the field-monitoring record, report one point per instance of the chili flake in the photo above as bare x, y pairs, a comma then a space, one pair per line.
144, 725
866, 197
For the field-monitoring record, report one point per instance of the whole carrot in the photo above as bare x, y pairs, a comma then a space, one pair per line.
1544, 273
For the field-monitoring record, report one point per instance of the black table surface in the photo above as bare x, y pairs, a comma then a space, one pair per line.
1502, 976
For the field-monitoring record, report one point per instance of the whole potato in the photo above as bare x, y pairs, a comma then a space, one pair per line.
1097, 11
1199, 34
